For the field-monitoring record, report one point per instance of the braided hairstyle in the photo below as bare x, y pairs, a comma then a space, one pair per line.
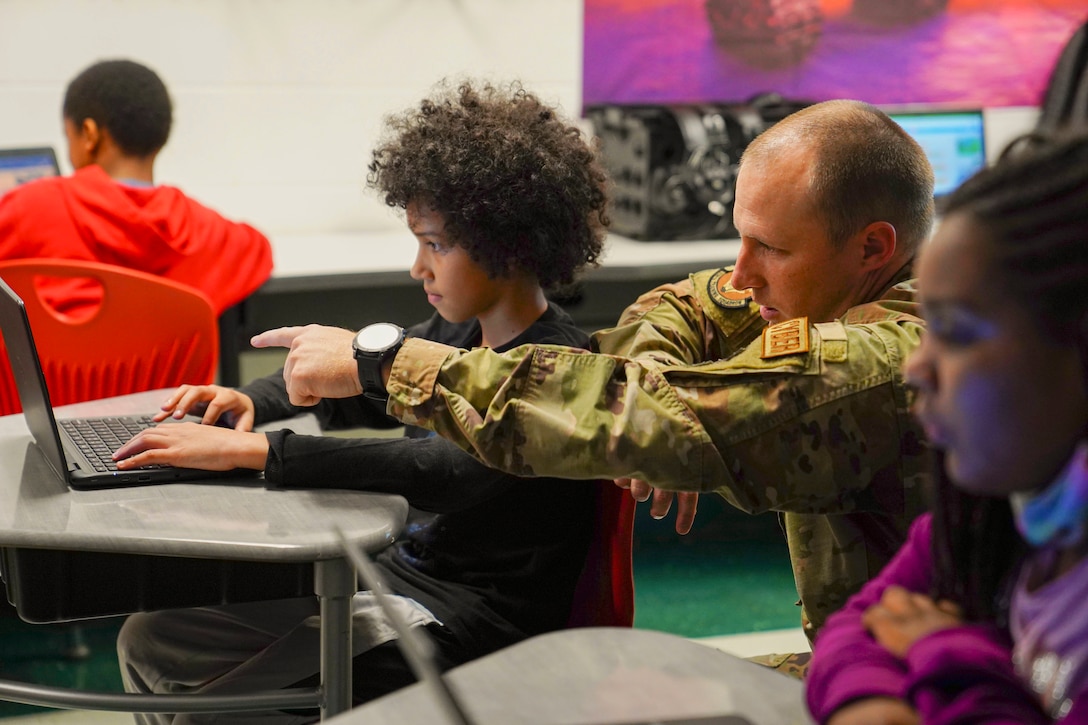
518, 185
1032, 206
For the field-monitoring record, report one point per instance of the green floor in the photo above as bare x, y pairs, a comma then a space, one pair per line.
36, 653
730, 575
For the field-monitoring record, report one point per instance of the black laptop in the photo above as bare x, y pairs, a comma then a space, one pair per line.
79, 448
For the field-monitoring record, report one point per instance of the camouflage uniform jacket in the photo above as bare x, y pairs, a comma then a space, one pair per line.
694, 392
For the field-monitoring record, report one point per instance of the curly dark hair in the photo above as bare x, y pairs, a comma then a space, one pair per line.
127, 99
519, 187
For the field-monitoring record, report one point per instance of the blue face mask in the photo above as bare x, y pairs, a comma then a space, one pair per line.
1058, 514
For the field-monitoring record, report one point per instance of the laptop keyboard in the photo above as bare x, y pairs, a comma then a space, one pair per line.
98, 438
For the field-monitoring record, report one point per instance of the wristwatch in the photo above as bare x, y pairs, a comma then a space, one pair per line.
373, 345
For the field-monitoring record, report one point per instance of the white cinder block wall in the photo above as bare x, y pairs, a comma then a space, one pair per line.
277, 102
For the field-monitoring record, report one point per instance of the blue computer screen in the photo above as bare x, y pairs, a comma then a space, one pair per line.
18, 166
953, 142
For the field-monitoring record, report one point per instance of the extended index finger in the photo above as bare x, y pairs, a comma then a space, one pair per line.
279, 337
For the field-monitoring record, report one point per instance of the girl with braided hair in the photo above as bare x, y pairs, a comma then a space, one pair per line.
979, 618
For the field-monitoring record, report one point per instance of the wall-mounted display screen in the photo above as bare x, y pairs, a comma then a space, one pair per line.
954, 142
957, 53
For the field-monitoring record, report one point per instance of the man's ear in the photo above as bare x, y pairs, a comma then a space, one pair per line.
878, 245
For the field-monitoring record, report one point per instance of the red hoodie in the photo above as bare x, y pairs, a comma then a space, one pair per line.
156, 229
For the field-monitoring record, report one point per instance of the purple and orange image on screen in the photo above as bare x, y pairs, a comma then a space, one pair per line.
962, 53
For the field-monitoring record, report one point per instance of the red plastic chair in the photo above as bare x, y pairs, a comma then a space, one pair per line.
605, 593
145, 332
116, 331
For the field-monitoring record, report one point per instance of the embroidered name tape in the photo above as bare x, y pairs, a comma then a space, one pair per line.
724, 294
786, 338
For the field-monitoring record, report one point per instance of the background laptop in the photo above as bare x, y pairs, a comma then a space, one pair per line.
954, 143
18, 166
72, 463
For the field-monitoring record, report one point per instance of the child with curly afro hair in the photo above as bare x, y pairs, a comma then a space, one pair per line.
517, 185
504, 198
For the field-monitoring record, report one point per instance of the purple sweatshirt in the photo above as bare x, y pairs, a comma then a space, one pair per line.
959, 675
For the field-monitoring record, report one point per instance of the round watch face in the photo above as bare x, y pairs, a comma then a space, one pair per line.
378, 336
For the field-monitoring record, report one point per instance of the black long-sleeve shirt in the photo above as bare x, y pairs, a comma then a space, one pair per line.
495, 557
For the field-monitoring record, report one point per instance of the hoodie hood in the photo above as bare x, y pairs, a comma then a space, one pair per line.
147, 228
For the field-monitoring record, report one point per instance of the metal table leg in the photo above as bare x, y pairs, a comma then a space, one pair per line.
334, 583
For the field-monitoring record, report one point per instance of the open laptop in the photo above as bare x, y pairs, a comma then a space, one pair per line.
418, 650
18, 166
83, 465
954, 141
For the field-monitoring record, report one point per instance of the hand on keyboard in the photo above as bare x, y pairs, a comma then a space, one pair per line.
213, 404
191, 445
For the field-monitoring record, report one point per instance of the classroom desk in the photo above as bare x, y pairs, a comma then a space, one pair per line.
77, 554
353, 279
601, 675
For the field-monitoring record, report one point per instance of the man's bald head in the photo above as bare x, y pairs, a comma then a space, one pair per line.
866, 169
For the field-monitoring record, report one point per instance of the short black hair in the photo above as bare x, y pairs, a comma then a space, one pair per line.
867, 169
519, 187
127, 99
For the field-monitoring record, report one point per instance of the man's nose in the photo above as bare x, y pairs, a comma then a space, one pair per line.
744, 273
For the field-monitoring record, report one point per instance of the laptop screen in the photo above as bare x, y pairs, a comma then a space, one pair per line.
954, 143
26, 368
18, 166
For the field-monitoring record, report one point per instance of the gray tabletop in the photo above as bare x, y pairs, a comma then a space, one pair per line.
601, 675
240, 520
121, 550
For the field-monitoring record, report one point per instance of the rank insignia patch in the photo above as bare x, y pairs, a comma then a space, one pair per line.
723, 293
786, 338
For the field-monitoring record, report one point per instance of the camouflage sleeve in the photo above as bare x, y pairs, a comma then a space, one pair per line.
664, 325
827, 431
804, 431
542, 410
674, 325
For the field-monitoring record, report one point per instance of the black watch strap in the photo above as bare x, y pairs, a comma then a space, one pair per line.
370, 376
373, 345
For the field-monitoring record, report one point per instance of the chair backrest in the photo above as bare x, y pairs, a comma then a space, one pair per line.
605, 594
145, 332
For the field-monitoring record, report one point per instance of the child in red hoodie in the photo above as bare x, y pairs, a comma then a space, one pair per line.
117, 117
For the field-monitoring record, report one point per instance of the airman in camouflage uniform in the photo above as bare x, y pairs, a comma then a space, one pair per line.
818, 430
775, 384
